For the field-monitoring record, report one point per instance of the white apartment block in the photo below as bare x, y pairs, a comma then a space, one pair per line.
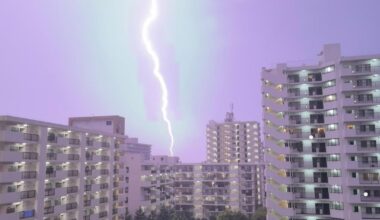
322, 138
151, 182
208, 189
233, 141
50, 171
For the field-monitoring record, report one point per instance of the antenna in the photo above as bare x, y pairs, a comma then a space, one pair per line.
230, 115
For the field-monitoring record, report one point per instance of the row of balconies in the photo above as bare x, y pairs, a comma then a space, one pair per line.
61, 157
355, 101
93, 215
11, 197
11, 135
18, 213
12, 156
355, 86
61, 191
11, 177
353, 71
58, 209
61, 174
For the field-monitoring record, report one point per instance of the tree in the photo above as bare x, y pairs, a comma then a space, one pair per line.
183, 215
152, 216
127, 215
139, 215
260, 214
165, 213
231, 215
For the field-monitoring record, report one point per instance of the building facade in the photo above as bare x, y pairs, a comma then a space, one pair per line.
233, 141
322, 138
50, 171
208, 189
151, 182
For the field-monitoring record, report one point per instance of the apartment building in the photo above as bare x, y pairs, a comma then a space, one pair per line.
208, 189
151, 182
233, 141
50, 171
322, 138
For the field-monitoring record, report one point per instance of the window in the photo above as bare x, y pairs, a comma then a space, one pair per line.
376, 193
368, 210
353, 175
108, 122
377, 210
356, 209
354, 191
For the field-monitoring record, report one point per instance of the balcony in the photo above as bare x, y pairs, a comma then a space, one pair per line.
361, 102
9, 197
363, 148
370, 216
361, 133
364, 71
334, 164
352, 86
10, 177
363, 117
369, 199
12, 156
283, 211
362, 164
274, 91
311, 211
275, 103
279, 192
18, 137
272, 174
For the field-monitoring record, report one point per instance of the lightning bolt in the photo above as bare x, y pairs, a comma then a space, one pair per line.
153, 14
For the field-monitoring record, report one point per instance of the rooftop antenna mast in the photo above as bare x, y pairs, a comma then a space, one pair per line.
230, 115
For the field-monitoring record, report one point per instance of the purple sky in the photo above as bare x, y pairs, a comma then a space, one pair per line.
76, 58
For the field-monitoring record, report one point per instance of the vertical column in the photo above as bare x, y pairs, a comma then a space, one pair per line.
111, 162
82, 165
41, 173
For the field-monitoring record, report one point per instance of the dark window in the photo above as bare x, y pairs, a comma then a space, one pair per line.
377, 210
355, 191
356, 209
368, 210
108, 122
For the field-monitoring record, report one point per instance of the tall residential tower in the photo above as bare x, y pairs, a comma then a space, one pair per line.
233, 141
322, 127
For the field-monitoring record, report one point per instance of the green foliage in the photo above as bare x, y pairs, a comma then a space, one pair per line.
127, 215
231, 215
140, 215
183, 215
260, 214
165, 213
152, 216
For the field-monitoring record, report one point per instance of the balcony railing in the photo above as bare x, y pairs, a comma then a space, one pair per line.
72, 205
28, 194
49, 192
30, 155
103, 214
31, 137
73, 156
369, 199
74, 141
72, 173
72, 189
29, 175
